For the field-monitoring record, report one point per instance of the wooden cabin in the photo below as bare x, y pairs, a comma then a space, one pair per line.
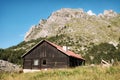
46, 55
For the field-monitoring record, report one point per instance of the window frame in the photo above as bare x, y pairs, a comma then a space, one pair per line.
36, 62
44, 62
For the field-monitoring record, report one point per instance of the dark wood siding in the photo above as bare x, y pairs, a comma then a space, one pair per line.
45, 52
27, 64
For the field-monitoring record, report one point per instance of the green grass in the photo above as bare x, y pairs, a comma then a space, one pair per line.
79, 73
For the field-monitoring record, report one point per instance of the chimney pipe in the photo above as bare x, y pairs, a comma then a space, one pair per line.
65, 48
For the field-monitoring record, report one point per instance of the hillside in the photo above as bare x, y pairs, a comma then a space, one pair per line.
92, 53
95, 37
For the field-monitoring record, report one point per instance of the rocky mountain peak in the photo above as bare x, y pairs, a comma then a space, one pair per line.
75, 20
66, 14
108, 14
57, 19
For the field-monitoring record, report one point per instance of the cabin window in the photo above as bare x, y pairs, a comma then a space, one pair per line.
44, 62
36, 61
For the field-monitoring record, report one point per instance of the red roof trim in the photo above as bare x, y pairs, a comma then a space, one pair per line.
68, 52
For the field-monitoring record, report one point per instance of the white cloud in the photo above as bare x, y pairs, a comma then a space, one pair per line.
90, 12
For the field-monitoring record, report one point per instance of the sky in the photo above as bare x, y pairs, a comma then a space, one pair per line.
17, 16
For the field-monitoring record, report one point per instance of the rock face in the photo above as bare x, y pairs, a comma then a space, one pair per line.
8, 67
57, 20
76, 23
108, 14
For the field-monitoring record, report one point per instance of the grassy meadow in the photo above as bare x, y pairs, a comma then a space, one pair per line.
78, 73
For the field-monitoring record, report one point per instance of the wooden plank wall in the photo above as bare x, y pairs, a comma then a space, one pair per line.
54, 58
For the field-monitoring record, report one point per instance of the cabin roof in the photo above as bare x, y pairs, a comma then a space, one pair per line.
68, 52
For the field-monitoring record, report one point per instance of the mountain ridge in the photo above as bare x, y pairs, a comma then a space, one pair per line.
77, 22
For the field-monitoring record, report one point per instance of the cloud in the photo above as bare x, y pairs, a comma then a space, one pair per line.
90, 12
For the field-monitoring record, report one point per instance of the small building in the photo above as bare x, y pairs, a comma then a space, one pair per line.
46, 55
